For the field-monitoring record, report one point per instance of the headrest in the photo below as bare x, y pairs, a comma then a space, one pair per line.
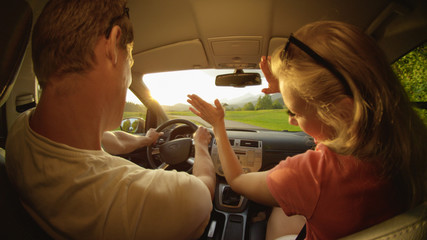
16, 21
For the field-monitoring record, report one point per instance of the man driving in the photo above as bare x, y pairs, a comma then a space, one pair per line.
82, 58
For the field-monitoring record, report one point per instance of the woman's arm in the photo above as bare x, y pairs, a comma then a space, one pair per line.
252, 185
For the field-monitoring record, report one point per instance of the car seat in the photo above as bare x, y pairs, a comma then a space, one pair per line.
411, 225
16, 19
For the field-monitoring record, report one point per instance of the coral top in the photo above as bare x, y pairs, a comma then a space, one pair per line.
338, 195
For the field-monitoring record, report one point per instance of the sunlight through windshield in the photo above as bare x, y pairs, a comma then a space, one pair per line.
170, 88
246, 108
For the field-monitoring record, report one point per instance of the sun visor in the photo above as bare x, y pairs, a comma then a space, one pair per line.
178, 56
236, 52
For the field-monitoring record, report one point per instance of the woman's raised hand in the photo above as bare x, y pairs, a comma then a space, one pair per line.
273, 83
214, 115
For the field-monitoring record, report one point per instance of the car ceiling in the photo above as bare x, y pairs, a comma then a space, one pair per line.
187, 34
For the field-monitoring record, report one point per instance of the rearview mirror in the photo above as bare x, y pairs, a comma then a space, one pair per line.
133, 125
238, 79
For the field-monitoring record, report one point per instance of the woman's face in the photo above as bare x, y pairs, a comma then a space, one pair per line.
303, 114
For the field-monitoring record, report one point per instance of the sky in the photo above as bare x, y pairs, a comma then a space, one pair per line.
170, 88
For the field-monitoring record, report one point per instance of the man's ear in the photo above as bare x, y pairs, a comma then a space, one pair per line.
112, 44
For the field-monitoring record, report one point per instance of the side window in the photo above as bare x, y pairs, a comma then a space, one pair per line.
412, 72
134, 114
133, 106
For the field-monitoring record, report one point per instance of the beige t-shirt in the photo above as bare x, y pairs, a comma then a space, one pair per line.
81, 194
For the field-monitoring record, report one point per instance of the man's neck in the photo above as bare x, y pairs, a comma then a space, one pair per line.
73, 118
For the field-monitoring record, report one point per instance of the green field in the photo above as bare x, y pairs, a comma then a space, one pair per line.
274, 119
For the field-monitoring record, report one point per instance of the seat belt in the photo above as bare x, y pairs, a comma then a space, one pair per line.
301, 234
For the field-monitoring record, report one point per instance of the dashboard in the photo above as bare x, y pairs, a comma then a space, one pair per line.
262, 150
257, 150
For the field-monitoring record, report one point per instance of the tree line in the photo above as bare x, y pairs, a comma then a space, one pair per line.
133, 107
263, 102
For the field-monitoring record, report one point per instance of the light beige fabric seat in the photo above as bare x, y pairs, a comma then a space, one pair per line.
411, 225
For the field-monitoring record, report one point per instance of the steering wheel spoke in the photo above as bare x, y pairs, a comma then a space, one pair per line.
190, 161
163, 166
155, 151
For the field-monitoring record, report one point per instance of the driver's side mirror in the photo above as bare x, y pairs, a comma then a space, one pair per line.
133, 125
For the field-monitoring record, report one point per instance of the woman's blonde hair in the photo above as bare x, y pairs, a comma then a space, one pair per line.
66, 32
382, 126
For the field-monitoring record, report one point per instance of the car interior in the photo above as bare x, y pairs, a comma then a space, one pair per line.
176, 35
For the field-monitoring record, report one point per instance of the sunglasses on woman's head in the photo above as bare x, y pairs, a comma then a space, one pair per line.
320, 60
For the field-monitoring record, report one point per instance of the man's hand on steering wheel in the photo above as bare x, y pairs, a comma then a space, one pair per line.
153, 135
173, 152
202, 136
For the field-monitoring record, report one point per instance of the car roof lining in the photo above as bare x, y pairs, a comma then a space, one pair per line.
272, 21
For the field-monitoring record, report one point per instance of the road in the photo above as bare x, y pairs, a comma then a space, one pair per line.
228, 123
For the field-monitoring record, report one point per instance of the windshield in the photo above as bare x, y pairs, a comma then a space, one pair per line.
249, 108
246, 108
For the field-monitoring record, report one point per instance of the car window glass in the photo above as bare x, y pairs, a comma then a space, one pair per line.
246, 108
171, 88
133, 107
412, 72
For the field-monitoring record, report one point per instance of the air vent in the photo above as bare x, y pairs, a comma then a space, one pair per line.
248, 143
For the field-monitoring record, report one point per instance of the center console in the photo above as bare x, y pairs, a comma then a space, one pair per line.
229, 217
234, 217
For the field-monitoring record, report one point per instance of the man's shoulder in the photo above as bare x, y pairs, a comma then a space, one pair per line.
18, 130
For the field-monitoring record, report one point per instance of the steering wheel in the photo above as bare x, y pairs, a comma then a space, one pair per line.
172, 152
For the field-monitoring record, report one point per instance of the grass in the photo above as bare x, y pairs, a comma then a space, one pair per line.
274, 119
